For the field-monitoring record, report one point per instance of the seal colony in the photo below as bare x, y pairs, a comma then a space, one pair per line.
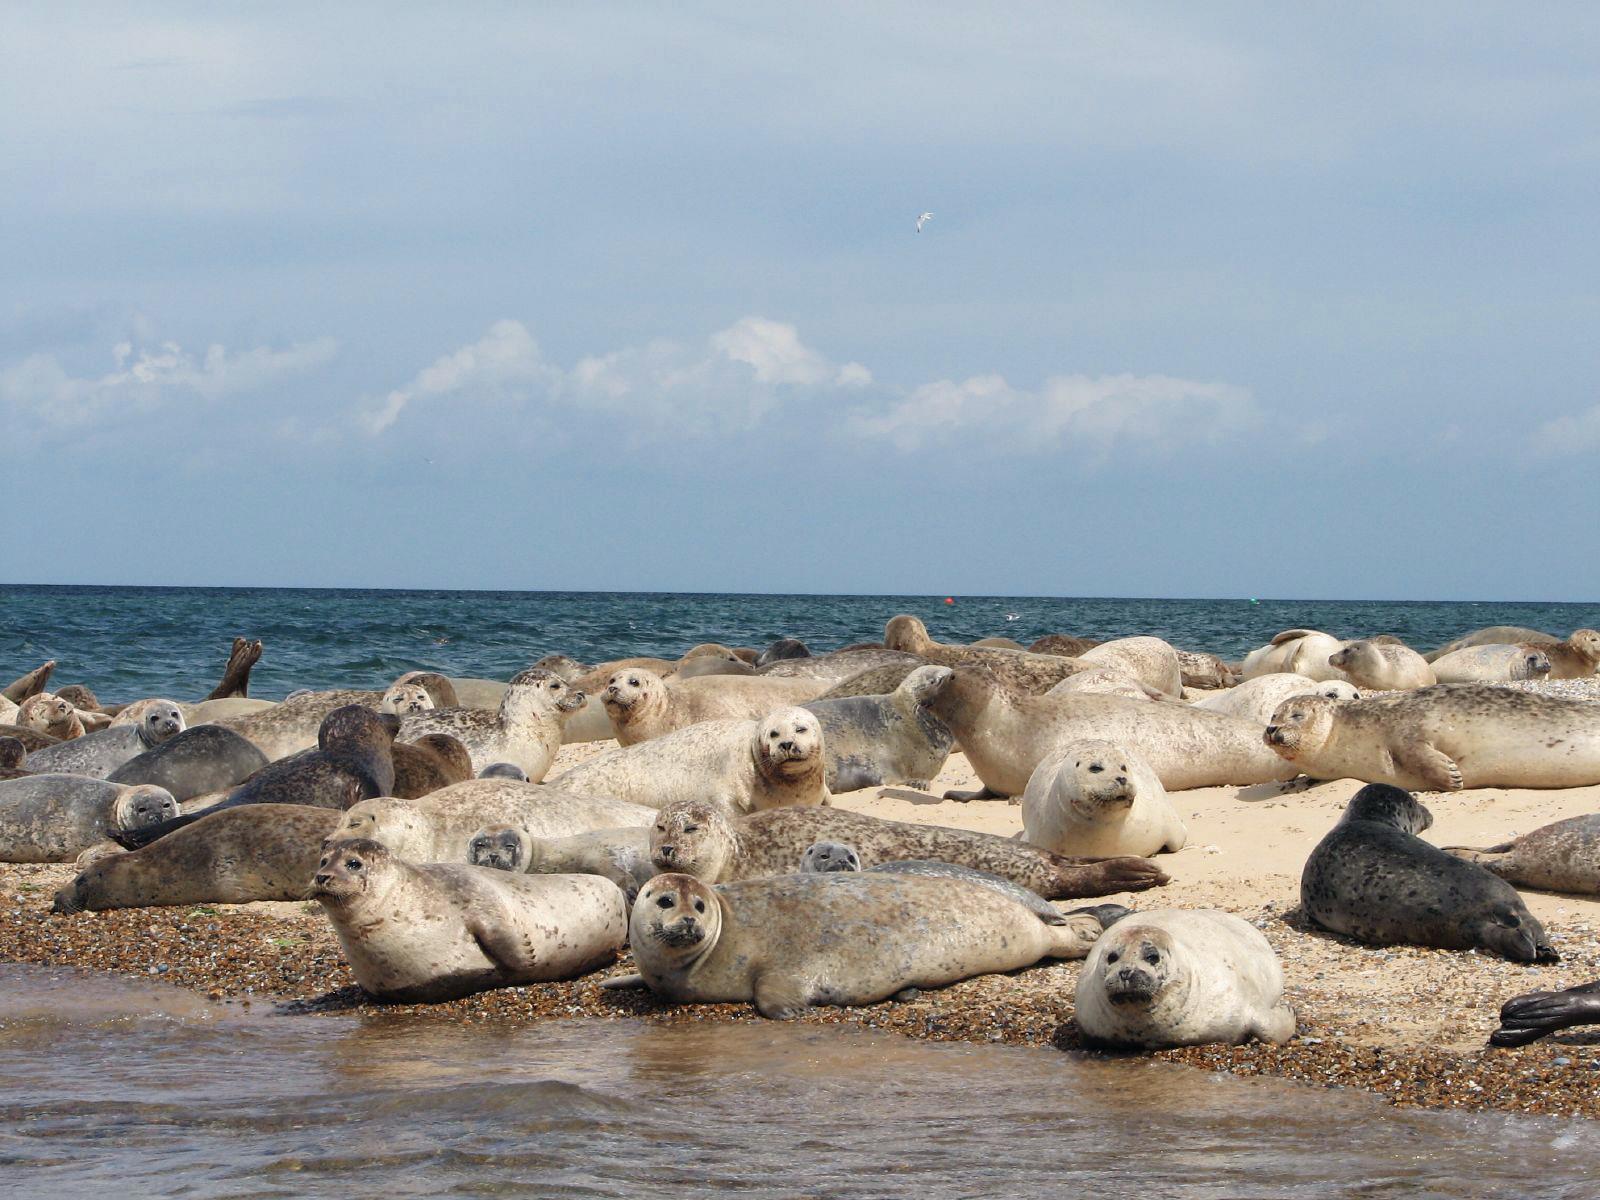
425, 913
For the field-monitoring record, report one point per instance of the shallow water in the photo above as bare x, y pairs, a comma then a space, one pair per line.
148, 1090
132, 642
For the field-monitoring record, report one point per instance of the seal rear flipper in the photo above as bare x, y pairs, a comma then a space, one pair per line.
779, 999
137, 839
983, 793
1533, 1015
1076, 936
503, 948
1126, 874
29, 685
236, 675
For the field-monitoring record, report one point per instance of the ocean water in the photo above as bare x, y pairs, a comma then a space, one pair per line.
132, 642
110, 1086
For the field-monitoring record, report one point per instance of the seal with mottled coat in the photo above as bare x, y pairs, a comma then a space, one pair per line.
1563, 856
1181, 977
438, 931
103, 751
871, 741
13, 759
641, 705
48, 714
1443, 738
620, 855
55, 818
1098, 799
1150, 660
526, 729
1371, 878
1020, 669
786, 944
700, 838
1495, 635
293, 725
196, 762
1383, 666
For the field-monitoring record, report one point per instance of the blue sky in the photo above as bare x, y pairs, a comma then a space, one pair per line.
1259, 300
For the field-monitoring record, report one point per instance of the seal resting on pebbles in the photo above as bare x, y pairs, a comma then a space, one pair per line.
1491, 664
698, 837
1181, 977
1006, 733
641, 705
751, 765
526, 730
786, 944
1383, 667
620, 855
1560, 857
55, 818
870, 741
102, 752
424, 933
1097, 799
239, 855
1371, 878
1443, 739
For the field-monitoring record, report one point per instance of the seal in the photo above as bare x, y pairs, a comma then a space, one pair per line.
1001, 643
1181, 977
840, 665
8, 712
503, 770
31, 684
786, 944
433, 761
1150, 660
696, 668
1561, 857
425, 933
1018, 668
196, 762
50, 715
1383, 667
526, 729
1106, 681
1576, 658
1495, 635
54, 818
1533, 1015
103, 751
824, 858
641, 705
1096, 799
403, 699
354, 761
1204, 671
293, 726
1443, 739
1006, 733
13, 756
874, 681
700, 838
31, 739
1297, 651
781, 649
620, 855
239, 855
235, 681
440, 826
1063, 644
1371, 878
82, 699
751, 765
872, 741
1257, 699
1490, 664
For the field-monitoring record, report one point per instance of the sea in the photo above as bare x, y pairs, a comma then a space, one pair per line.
137, 1088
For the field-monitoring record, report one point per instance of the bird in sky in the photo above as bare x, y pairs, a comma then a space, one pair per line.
923, 220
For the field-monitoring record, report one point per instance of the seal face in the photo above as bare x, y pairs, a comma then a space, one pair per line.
822, 857
54, 818
1097, 799
405, 698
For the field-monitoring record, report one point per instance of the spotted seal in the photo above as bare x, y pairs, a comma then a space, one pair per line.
293, 725
1296, 651
103, 751
1257, 699
1020, 669
641, 705
54, 818
1373, 879
433, 761
620, 855
1494, 635
204, 759
871, 741
1489, 664
47, 713
13, 759
526, 729
1560, 857
1098, 799
1150, 660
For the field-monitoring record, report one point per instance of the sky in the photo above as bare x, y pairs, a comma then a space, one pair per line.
1222, 300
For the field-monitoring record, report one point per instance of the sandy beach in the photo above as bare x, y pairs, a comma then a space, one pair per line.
1408, 1024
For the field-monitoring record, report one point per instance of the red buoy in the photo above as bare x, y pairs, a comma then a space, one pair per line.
949, 599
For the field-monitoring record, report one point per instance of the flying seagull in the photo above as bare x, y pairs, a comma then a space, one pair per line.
923, 220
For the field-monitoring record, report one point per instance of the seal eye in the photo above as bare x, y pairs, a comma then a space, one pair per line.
1152, 958
352, 864
664, 902
699, 906
1113, 956
691, 829
633, 683
773, 735
1096, 769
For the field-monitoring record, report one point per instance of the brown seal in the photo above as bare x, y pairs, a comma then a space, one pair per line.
1019, 668
1062, 644
431, 762
28, 685
13, 757
50, 715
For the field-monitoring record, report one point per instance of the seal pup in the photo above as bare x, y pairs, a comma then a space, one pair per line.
29, 685
1533, 1015
526, 729
1383, 667
1495, 635
1297, 651
433, 761
786, 944
1096, 799
641, 705
1150, 660
1490, 664
440, 826
403, 699
1018, 668
1181, 977
196, 762
1443, 738
751, 765
872, 741
239, 855
103, 751
54, 818
354, 761
13, 759
438, 931
1257, 699
620, 855
700, 838
50, 715
1371, 878
1005, 733
1560, 857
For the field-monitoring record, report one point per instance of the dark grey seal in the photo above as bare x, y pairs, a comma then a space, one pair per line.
207, 758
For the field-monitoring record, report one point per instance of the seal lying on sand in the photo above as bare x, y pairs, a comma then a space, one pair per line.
1098, 799
103, 751
1178, 977
1006, 733
1443, 739
424, 933
1533, 1015
525, 730
1383, 666
1489, 664
1560, 857
751, 765
1373, 879
257, 852
641, 705
1494, 635
1150, 660
55, 818
871, 741
699, 838
786, 944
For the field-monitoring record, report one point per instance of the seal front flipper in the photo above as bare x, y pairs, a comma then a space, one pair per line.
619, 982
1433, 767
982, 793
500, 943
778, 998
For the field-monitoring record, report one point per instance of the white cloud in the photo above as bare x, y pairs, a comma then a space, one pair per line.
505, 359
1095, 411
1577, 434
39, 394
